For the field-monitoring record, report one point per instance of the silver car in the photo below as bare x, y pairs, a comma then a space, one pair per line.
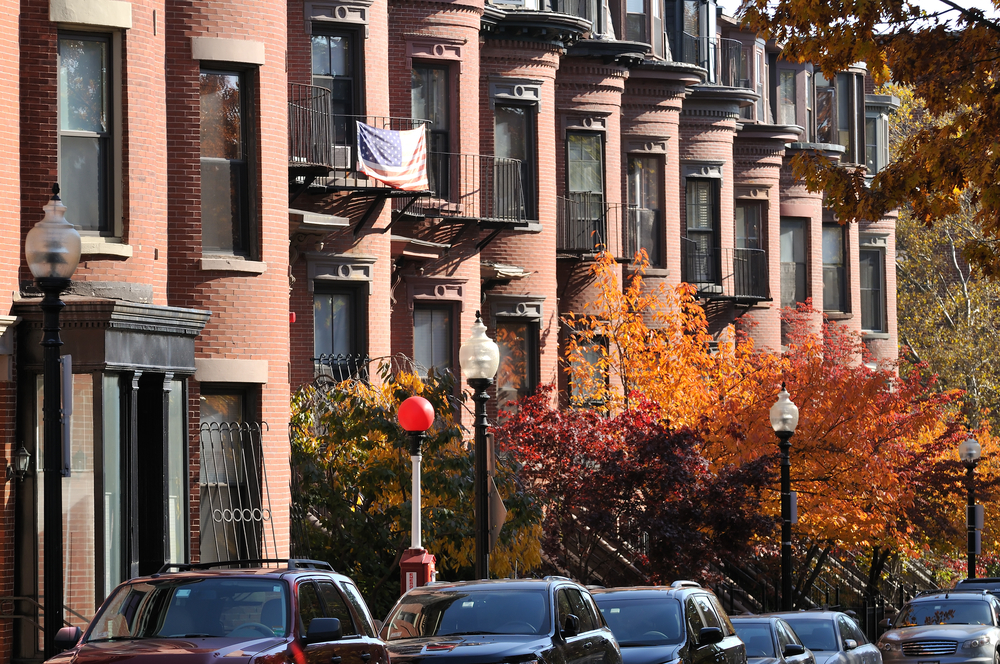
945, 627
833, 637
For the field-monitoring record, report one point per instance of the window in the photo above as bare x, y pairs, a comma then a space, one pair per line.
338, 328
871, 266
748, 224
761, 78
787, 110
839, 114
432, 337
85, 130
644, 23
335, 67
518, 373
826, 109
694, 619
337, 608
810, 130
429, 99
644, 208
793, 261
588, 377
225, 177
582, 610
309, 605
834, 268
702, 223
635, 20
514, 138
876, 141
585, 171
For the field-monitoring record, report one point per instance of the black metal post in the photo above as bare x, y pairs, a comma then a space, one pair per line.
970, 517
479, 395
786, 521
52, 571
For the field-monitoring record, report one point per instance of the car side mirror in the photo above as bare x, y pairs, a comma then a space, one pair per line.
571, 627
66, 638
850, 644
885, 623
793, 649
709, 635
322, 630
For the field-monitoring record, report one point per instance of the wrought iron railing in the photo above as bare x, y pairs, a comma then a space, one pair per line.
726, 273
310, 138
723, 58
583, 220
338, 367
643, 229
235, 499
471, 186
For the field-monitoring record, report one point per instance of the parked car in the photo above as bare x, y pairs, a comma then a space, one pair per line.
771, 640
833, 637
543, 621
990, 583
682, 622
945, 627
196, 613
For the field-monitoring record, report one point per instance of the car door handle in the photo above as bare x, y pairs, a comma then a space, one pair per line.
335, 659
366, 656
588, 645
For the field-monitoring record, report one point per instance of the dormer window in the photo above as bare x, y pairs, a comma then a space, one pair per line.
840, 114
877, 110
644, 23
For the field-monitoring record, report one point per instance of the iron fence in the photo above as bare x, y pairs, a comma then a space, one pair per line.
310, 140
583, 220
726, 273
643, 229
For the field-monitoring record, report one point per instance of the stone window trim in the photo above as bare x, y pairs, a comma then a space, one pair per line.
353, 12
597, 122
522, 307
99, 13
432, 290
701, 169
522, 91
642, 144
759, 193
235, 51
873, 240
343, 268
432, 47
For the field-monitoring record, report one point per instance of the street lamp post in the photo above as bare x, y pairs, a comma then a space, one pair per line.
969, 451
784, 418
480, 358
415, 415
52, 250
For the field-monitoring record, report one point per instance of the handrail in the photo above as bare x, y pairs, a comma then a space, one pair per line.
583, 220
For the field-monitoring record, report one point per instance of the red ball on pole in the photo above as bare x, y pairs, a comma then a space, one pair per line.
415, 414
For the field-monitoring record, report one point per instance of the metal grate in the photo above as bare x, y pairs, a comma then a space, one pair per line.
235, 500
919, 648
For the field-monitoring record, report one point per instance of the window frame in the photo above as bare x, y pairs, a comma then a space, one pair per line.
712, 269
248, 222
437, 305
440, 142
589, 135
358, 292
532, 363
585, 400
842, 267
881, 290
356, 52
636, 197
804, 221
529, 166
784, 106
110, 141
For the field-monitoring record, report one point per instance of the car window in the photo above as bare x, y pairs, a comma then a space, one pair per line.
785, 635
757, 637
708, 612
850, 630
309, 605
582, 610
693, 617
336, 607
945, 612
563, 606
816, 634
726, 624
594, 612
455, 612
642, 621
354, 597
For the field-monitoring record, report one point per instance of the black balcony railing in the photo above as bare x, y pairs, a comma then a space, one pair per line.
724, 59
310, 137
583, 220
728, 274
471, 186
643, 229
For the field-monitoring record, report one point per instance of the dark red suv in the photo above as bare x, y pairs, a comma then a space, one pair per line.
300, 612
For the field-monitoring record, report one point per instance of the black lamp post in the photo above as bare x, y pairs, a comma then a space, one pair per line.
480, 359
52, 250
784, 418
969, 451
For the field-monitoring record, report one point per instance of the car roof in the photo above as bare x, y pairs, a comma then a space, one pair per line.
756, 618
969, 592
677, 591
264, 568
494, 584
812, 615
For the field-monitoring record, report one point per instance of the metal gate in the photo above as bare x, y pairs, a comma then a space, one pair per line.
236, 521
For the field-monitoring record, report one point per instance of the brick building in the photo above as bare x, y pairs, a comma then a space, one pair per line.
207, 153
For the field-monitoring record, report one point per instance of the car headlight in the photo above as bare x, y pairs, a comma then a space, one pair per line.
977, 642
888, 646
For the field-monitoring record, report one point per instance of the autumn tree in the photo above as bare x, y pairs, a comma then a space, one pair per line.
627, 499
351, 494
950, 61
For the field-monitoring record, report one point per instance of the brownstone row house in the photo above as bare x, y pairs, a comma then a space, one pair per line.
207, 152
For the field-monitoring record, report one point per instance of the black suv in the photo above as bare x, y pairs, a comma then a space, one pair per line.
683, 623
300, 611
515, 621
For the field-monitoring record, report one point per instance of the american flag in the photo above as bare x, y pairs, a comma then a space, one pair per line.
397, 158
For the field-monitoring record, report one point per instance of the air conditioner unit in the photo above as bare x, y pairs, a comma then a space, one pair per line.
343, 157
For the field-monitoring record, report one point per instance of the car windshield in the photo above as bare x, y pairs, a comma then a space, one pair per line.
218, 607
815, 634
945, 612
757, 637
642, 621
455, 612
